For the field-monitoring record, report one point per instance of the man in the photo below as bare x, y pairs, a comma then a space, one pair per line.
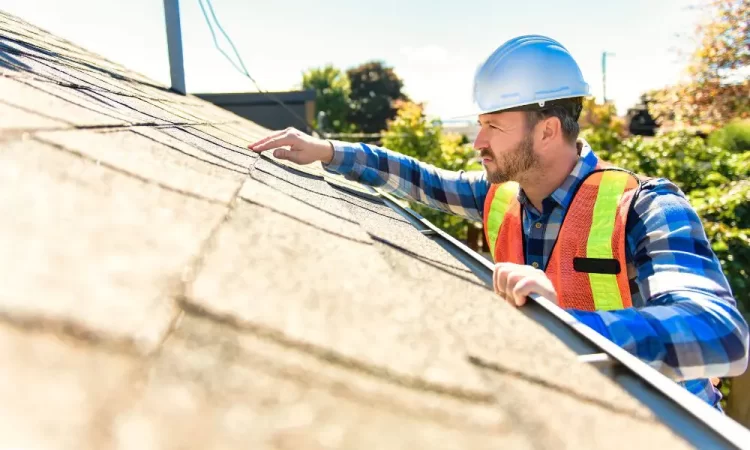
625, 255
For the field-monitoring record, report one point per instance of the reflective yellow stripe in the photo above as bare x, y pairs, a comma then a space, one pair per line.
503, 196
604, 287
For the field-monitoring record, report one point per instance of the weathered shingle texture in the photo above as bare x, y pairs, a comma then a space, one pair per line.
161, 287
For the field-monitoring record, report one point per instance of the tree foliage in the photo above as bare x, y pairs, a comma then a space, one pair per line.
374, 90
411, 134
600, 125
718, 86
332, 91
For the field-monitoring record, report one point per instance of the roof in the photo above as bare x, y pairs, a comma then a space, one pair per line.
165, 288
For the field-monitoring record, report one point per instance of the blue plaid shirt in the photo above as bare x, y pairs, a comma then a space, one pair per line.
685, 320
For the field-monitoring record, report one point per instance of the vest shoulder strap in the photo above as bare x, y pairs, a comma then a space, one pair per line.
499, 199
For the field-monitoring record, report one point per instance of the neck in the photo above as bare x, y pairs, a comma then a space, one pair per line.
554, 167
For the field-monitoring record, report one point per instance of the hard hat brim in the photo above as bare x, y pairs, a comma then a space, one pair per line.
521, 106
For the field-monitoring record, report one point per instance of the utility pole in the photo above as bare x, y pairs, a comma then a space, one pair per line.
604, 74
174, 44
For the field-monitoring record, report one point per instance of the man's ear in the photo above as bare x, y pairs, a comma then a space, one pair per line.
551, 129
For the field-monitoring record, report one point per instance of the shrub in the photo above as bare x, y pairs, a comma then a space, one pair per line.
680, 157
735, 136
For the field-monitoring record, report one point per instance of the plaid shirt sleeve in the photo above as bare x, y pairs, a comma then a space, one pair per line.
690, 327
461, 193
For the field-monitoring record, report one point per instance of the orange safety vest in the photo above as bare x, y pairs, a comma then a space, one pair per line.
587, 265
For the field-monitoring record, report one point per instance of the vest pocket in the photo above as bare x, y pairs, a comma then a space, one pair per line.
596, 265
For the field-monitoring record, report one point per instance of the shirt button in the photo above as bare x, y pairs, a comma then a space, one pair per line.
535, 264
538, 225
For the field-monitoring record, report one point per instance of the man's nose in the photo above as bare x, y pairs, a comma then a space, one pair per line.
480, 142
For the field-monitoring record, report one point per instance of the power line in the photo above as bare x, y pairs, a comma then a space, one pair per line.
241, 68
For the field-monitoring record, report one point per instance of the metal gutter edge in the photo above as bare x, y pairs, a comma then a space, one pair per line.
684, 413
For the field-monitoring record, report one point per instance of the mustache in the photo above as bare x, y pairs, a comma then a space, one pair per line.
485, 153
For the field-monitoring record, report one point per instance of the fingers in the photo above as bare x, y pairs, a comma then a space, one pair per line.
515, 282
288, 155
499, 277
512, 280
276, 142
273, 135
495, 283
522, 289
545, 288
278, 139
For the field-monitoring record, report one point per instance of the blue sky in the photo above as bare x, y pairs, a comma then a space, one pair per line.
434, 45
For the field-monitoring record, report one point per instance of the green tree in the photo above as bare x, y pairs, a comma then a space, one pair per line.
374, 90
332, 91
412, 134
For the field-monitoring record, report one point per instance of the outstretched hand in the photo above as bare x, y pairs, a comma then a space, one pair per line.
295, 146
515, 282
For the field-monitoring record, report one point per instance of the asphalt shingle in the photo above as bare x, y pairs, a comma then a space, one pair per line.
309, 189
238, 158
146, 110
280, 200
247, 131
325, 292
217, 387
17, 117
58, 393
390, 229
155, 159
558, 420
90, 100
227, 136
176, 140
28, 97
92, 249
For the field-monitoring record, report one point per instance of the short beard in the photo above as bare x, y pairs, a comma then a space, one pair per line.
511, 166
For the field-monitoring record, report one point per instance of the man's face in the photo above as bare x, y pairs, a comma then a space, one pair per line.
506, 146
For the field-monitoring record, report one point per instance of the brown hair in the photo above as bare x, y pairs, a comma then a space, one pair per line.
567, 110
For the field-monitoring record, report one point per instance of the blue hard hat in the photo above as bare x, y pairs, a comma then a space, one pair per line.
527, 70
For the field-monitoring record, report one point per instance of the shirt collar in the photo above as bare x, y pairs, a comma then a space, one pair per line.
587, 161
